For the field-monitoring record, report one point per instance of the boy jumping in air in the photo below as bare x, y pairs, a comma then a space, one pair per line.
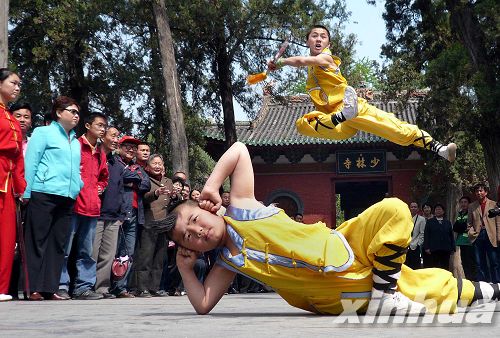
339, 112
311, 266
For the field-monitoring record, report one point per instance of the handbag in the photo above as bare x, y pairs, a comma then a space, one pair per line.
120, 265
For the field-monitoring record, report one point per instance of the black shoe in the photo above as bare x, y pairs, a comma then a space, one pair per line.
144, 294
89, 295
108, 295
62, 294
233, 291
125, 294
159, 293
179, 292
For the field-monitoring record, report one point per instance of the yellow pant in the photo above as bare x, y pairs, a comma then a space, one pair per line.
390, 222
370, 119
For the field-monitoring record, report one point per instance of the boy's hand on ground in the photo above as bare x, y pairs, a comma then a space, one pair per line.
186, 258
210, 200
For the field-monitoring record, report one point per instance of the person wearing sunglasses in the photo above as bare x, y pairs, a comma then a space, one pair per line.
52, 167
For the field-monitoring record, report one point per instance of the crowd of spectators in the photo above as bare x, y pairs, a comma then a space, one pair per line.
86, 201
469, 247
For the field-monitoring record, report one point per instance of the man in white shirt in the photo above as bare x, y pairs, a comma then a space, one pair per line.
413, 256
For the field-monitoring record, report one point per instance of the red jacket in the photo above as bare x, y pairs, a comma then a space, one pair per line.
94, 172
11, 154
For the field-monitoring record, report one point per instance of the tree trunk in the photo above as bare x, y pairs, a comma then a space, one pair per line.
78, 87
178, 141
465, 24
4, 33
225, 89
491, 151
161, 113
453, 194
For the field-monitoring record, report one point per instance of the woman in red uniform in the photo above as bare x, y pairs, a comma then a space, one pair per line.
12, 183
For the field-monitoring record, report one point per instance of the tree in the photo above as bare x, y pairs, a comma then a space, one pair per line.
75, 49
475, 25
4, 37
220, 41
172, 91
449, 47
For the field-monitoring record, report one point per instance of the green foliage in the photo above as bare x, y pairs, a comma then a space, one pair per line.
339, 214
426, 45
431, 184
364, 73
75, 49
200, 165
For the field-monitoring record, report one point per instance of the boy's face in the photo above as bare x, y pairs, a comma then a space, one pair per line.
317, 41
198, 230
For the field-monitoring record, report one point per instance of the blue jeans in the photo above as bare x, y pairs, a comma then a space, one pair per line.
83, 227
483, 249
126, 246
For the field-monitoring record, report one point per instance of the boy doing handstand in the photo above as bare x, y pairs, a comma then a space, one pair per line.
339, 113
311, 266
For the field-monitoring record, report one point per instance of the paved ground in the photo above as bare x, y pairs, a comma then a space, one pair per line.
251, 315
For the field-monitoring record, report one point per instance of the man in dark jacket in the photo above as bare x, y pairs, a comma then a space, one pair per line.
135, 184
122, 205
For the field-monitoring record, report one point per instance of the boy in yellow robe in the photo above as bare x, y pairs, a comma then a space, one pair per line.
339, 113
311, 266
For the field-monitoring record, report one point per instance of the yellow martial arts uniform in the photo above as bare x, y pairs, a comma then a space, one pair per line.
326, 87
314, 267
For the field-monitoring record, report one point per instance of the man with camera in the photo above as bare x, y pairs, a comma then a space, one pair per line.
484, 230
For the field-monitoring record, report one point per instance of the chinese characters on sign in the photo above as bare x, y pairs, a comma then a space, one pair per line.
361, 162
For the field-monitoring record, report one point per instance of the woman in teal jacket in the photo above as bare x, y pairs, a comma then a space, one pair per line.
53, 180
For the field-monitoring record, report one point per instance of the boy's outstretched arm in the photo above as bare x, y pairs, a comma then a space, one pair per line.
204, 296
323, 60
236, 164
